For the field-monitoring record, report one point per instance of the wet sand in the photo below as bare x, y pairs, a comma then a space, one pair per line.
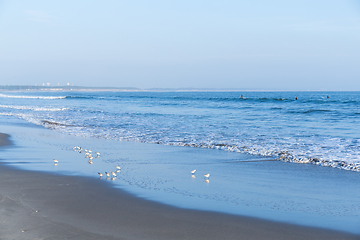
5, 140
36, 205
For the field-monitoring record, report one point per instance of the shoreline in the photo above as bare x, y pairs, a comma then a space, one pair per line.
37, 205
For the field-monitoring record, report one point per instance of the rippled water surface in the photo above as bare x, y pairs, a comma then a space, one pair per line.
319, 127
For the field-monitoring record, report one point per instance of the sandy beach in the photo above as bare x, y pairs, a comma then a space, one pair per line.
37, 205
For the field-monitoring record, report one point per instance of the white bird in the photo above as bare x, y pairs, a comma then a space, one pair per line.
207, 175
193, 171
114, 174
97, 153
55, 161
107, 174
117, 167
100, 174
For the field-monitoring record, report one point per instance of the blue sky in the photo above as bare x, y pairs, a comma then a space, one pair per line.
260, 44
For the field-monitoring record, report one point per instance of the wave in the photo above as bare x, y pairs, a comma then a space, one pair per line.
7, 114
274, 152
45, 97
239, 98
310, 111
50, 124
277, 151
203, 97
191, 97
31, 97
33, 108
80, 97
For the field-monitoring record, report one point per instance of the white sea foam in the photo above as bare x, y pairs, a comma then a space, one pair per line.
33, 108
6, 114
32, 97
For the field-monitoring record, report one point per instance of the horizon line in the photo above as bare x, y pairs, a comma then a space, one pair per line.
154, 89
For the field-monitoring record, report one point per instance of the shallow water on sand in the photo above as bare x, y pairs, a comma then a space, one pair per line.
239, 183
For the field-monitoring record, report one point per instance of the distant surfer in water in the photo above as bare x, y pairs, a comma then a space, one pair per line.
296, 98
242, 97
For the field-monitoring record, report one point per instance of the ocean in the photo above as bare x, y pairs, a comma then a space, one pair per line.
283, 156
313, 129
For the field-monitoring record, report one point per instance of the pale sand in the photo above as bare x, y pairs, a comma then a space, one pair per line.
36, 205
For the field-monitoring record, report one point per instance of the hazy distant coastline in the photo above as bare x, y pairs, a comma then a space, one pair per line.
120, 89
134, 89
62, 88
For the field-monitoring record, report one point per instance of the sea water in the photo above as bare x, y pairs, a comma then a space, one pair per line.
251, 143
